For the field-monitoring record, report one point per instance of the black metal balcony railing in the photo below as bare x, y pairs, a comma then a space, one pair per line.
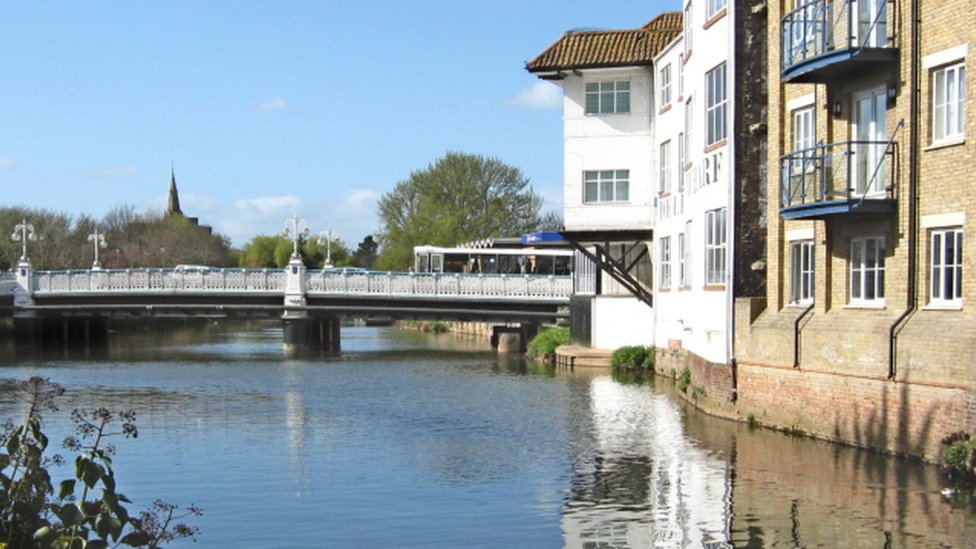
838, 178
823, 33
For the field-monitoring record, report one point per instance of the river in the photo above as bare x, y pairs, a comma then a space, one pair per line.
405, 439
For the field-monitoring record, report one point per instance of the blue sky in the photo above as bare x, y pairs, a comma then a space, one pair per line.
271, 109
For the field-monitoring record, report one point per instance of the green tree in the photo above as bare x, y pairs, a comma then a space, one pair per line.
459, 198
260, 252
366, 252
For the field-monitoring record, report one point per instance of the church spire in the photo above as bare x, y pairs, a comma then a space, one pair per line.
173, 207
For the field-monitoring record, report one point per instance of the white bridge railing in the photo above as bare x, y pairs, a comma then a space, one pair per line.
321, 282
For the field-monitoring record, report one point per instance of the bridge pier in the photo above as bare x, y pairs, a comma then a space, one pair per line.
513, 339
33, 330
302, 332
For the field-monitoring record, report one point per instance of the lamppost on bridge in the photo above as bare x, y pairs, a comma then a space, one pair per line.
326, 237
296, 229
23, 232
98, 241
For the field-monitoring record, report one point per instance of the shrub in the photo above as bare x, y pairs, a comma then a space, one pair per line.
633, 357
684, 380
956, 455
543, 345
85, 511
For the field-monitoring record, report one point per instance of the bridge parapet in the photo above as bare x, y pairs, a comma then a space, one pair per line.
511, 286
121, 280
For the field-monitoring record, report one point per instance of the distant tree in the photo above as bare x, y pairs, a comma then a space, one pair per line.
133, 240
260, 251
365, 254
314, 253
459, 198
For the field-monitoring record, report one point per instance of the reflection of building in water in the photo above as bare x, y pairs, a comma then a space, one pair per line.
645, 485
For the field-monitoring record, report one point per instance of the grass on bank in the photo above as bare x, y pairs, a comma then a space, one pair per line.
543, 345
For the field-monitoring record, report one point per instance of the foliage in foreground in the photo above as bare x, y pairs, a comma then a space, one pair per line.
635, 357
82, 512
959, 455
543, 345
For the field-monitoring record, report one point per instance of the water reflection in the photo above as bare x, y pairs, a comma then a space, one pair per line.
411, 440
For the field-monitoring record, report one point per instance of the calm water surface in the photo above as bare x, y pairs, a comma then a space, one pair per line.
412, 440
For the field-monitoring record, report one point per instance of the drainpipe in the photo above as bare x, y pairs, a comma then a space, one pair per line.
796, 336
913, 178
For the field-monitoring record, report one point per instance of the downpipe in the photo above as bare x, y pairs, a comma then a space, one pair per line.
913, 176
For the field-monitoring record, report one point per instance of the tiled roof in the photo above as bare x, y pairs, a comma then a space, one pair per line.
620, 48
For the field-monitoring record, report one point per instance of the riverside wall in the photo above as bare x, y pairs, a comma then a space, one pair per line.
796, 373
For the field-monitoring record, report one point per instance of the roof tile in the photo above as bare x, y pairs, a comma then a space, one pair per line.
613, 48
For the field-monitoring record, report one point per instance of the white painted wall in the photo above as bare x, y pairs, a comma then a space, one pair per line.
696, 315
619, 321
607, 142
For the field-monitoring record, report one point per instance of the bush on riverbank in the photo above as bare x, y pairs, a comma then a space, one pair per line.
632, 357
32, 515
543, 345
959, 456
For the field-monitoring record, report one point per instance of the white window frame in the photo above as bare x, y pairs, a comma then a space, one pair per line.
945, 267
802, 269
664, 83
716, 105
866, 272
949, 103
713, 7
716, 239
607, 96
664, 260
664, 161
609, 186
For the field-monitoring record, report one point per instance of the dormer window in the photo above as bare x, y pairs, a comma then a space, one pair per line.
608, 97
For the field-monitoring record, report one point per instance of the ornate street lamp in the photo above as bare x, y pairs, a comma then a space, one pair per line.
296, 229
23, 232
326, 237
98, 241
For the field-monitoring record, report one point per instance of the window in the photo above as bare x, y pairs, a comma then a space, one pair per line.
948, 98
606, 186
801, 271
689, 119
607, 97
714, 6
946, 263
681, 80
681, 154
665, 84
665, 262
715, 239
665, 164
803, 129
867, 270
687, 30
715, 104
684, 256
804, 159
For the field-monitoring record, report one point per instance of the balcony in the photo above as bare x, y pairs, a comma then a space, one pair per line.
825, 41
839, 178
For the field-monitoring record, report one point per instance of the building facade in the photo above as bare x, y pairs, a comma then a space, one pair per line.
867, 333
667, 257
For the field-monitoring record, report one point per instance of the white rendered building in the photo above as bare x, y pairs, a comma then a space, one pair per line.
659, 111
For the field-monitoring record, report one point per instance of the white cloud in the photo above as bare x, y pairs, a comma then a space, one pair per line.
273, 104
540, 95
7, 163
267, 206
111, 172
